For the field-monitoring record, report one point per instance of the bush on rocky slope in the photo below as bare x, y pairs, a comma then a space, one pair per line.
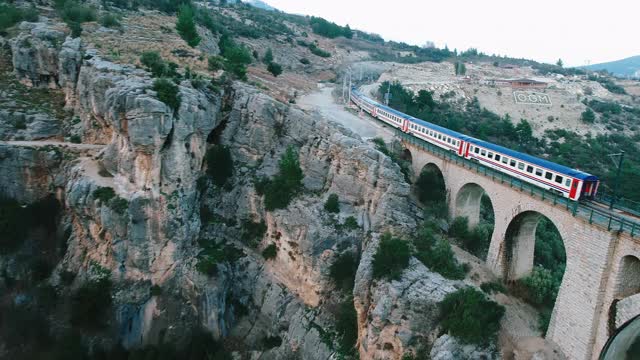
280, 191
468, 315
391, 258
11, 15
168, 93
186, 25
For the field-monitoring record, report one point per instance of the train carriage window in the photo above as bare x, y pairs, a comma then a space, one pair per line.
505, 160
538, 172
513, 163
483, 152
529, 168
548, 175
449, 140
476, 150
567, 182
490, 155
559, 179
520, 165
498, 157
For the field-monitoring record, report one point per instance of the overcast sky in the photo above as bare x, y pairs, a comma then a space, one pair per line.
544, 30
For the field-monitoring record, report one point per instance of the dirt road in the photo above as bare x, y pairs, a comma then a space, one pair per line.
323, 102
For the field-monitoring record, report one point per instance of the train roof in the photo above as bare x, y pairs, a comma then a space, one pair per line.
532, 159
497, 148
411, 118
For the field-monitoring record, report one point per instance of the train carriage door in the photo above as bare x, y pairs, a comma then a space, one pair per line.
461, 149
405, 125
374, 112
466, 152
574, 189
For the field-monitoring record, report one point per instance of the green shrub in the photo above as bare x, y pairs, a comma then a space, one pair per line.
91, 304
588, 116
237, 57
215, 63
168, 93
468, 315
74, 12
477, 240
219, 164
186, 25
280, 191
305, 61
544, 318
104, 194
268, 57
11, 15
270, 252
75, 139
76, 29
329, 29
110, 21
459, 227
541, 286
212, 254
441, 259
332, 204
430, 186
391, 258
343, 271
253, 232
492, 287
154, 63
274, 68
347, 327
318, 52
119, 205
350, 223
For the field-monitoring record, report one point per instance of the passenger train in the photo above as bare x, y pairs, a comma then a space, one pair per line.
570, 183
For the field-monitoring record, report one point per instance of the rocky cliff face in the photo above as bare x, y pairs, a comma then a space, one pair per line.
148, 234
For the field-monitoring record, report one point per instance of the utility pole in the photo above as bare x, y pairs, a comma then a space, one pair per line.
349, 87
344, 85
388, 94
616, 180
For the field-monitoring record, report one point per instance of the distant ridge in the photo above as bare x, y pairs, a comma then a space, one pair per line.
629, 67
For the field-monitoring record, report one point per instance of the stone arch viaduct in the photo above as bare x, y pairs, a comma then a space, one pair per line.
601, 285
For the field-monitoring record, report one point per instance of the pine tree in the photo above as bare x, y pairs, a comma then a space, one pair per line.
268, 56
186, 26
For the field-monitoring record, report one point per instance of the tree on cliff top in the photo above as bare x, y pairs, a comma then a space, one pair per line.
186, 26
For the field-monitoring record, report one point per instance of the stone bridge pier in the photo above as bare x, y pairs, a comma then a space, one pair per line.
601, 285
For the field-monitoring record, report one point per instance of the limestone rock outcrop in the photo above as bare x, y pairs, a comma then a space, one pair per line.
148, 233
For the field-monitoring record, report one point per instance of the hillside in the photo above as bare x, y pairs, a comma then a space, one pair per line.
629, 67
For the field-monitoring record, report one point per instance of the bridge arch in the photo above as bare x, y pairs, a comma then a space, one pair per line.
626, 293
431, 190
520, 244
468, 202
